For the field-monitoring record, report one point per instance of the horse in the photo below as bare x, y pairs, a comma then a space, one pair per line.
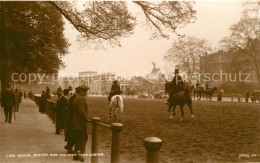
199, 92
181, 98
210, 92
117, 105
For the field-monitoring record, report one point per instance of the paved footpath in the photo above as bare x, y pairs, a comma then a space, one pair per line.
33, 133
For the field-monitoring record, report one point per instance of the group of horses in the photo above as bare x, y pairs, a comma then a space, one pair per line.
179, 99
201, 93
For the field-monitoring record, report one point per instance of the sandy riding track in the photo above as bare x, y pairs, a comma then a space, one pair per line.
220, 131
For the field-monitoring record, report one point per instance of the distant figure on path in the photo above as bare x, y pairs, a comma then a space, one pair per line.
20, 95
8, 102
59, 91
80, 119
247, 96
16, 100
46, 96
42, 102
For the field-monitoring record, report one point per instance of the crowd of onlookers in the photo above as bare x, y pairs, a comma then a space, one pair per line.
71, 117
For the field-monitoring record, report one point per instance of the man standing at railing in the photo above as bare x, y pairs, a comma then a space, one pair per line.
80, 119
61, 107
69, 133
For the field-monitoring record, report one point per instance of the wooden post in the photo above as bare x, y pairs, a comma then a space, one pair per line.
152, 145
95, 139
115, 148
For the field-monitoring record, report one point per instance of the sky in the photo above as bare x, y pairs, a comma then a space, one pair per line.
136, 53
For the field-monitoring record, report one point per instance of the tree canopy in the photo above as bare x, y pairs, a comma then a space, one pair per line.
32, 38
186, 53
245, 40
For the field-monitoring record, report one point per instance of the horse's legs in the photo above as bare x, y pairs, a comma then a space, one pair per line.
182, 113
172, 112
190, 107
170, 108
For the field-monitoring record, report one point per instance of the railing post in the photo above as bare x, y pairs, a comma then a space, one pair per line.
152, 145
95, 138
115, 148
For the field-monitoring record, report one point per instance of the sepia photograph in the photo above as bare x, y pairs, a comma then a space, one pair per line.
130, 81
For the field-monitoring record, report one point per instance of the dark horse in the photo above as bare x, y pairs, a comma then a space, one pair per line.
210, 92
200, 92
183, 97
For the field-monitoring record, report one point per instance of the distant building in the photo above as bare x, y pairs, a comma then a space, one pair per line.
99, 83
225, 67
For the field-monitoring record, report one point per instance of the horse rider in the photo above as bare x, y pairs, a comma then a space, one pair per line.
207, 85
115, 90
197, 85
176, 86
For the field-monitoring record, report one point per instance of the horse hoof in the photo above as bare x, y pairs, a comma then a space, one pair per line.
171, 117
192, 116
181, 119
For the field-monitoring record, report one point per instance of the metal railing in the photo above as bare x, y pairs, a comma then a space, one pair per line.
152, 144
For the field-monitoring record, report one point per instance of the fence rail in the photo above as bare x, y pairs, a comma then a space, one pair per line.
152, 144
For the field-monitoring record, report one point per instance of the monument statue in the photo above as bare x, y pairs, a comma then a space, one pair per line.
155, 69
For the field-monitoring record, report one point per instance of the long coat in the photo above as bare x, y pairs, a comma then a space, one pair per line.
8, 99
80, 113
61, 107
69, 135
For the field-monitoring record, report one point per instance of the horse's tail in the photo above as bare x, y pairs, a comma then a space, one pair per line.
117, 101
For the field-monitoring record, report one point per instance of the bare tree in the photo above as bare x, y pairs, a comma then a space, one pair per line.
101, 20
251, 8
186, 52
245, 39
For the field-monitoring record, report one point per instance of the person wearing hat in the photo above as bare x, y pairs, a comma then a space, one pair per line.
176, 85
61, 108
80, 119
207, 85
69, 133
115, 90
197, 85
8, 102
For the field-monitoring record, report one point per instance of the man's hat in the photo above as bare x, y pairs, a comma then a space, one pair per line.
77, 88
83, 87
115, 81
176, 71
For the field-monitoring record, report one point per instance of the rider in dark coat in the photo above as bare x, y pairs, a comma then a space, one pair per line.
115, 90
197, 85
176, 85
207, 85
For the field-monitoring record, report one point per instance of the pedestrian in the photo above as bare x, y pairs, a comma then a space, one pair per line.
8, 103
220, 95
46, 96
24, 95
69, 133
247, 96
80, 119
41, 108
16, 100
61, 107
20, 95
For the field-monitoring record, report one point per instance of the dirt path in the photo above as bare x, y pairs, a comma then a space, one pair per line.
33, 133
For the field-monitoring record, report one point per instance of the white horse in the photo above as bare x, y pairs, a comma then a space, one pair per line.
118, 107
